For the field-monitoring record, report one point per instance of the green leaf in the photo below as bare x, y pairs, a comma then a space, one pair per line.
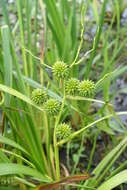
109, 157
5, 13
85, 99
104, 166
10, 142
55, 22
10, 169
16, 156
19, 95
7, 60
114, 181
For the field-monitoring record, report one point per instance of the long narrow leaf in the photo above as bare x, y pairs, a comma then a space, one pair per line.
19, 95
9, 169
7, 61
10, 142
114, 181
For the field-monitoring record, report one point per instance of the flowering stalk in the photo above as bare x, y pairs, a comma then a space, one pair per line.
56, 148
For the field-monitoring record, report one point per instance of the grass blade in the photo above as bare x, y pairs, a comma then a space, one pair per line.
10, 169
19, 95
7, 60
114, 181
10, 142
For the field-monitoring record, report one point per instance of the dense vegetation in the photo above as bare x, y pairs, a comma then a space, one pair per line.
62, 82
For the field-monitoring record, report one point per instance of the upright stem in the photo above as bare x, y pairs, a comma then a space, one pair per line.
48, 145
19, 8
56, 148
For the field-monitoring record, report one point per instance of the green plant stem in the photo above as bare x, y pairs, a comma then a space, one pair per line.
56, 149
75, 134
81, 36
87, 99
97, 39
35, 57
92, 152
48, 143
78, 155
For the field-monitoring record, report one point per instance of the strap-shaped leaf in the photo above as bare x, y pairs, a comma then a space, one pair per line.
19, 95
17, 169
114, 181
10, 142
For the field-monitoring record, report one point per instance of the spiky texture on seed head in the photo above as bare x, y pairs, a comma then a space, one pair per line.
52, 107
60, 70
86, 88
63, 131
38, 96
72, 86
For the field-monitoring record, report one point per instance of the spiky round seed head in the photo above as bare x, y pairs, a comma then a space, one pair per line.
86, 88
38, 96
63, 131
52, 107
60, 70
72, 86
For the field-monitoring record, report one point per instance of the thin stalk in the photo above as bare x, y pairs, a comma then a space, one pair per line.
78, 155
96, 39
92, 152
68, 158
87, 99
48, 144
56, 148
83, 58
81, 36
39, 59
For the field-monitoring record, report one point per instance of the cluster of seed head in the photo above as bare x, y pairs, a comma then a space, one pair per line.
39, 96
63, 131
72, 86
7, 180
52, 107
60, 70
85, 88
